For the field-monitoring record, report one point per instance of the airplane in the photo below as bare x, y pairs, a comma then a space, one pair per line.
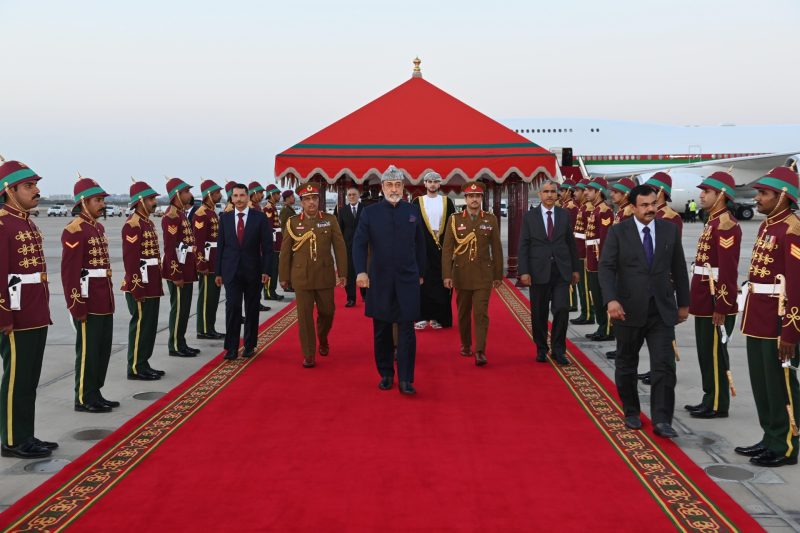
613, 149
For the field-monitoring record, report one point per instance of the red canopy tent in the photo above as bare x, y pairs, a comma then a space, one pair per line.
418, 127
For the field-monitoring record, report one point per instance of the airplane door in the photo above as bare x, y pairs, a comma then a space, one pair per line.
695, 153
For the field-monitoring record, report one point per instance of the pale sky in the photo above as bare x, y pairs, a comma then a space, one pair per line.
216, 89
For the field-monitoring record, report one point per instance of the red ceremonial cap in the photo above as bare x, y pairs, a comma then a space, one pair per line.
15, 173
781, 180
583, 183
86, 188
661, 181
140, 190
307, 189
720, 182
569, 183
475, 187
254, 187
207, 187
624, 185
174, 186
600, 184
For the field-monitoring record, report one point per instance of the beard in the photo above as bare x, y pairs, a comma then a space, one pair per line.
394, 197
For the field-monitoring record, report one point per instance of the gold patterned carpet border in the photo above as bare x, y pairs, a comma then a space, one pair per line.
57, 510
679, 497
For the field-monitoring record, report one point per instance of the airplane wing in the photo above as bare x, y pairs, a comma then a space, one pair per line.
745, 169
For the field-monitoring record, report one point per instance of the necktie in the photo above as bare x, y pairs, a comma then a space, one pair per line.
240, 229
354, 210
549, 225
647, 242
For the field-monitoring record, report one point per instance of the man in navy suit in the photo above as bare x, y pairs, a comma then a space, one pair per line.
392, 232
244, 247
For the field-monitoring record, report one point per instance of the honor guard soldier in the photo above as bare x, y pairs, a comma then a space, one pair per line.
567, 201
206, 231
273, 194
142, 282
228, 188
597, 224
661, 182
584, 297
256, 193
286, 213
180, 265
713, 294
307, 262
771, 320
86, 278
619, 195
472, 263
24, 312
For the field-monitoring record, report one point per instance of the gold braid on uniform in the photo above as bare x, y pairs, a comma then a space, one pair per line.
469, 242
300, 241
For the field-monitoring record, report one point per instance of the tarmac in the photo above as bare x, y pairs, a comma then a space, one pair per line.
769, 495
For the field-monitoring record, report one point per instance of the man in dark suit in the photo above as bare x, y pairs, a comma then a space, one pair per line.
391, 230
645, 288
548, 264
244, 247
348, 217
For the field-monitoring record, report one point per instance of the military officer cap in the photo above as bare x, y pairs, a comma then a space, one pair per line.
272, 189
15, 173
254, 187
308, 189
392, 174
600, 184
661, 181
140, 190
207, 187
174, 186
624, 185
582, 183
86, 188
475, 187
432, 176
287, 193
568, 183
781, 180
720, 182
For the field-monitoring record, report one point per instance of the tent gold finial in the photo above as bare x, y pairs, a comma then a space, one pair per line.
417, 73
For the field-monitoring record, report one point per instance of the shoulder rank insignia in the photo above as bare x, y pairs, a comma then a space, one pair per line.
74, 226
794, 250
72, 244
199, 224
172, 230
726, 242
131, 238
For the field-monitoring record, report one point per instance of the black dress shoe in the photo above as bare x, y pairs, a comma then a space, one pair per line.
109, 403
27, 450
582, 321
647, 380
350, 303
708, 413
249, 352
406, 388
190, 349
386, 383
217, 335
573, 309
561, 359
45, 444
324, 350
230, 355
290, 289
480, 359
698, 407
141, 376
663, 429
181, 353
207, 336
611, 355
157, 372
278, 297
751, 451
633, 422
262, 307
95, 407
771, 459
602, 337
591, 336
541, 357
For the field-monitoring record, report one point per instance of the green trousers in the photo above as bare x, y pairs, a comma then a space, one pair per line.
141, 332
92, 353
22, 353
587, 311
714, 362
774, 388
600, 314
207, 304
180, 302
270, 291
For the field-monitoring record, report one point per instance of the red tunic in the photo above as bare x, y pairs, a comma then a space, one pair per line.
719, 247
624, 212
206, 231
22, 244
600, 219
667, 213
271, 210
776, 251
84, 247
140, 243
177, 231
580, 228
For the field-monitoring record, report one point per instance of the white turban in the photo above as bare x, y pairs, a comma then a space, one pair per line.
432, 176
392, 174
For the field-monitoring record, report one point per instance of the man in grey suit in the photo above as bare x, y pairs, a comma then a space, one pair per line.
645, 289
548, 264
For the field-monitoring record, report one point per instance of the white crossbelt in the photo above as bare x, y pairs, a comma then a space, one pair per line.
703, 271
98, 273
580, 236
152, 261
762, 288
15, 290
593, 242
27, 279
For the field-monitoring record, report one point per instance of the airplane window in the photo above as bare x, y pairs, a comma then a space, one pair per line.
598, 130
592, 130
559, 130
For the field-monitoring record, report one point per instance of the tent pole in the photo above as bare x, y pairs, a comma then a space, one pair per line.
517, 201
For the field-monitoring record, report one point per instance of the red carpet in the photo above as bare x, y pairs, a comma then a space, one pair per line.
267, 445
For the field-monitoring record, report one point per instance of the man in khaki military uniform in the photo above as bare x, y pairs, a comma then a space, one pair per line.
472, 262
307, 263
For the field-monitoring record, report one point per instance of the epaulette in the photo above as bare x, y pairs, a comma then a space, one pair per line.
628, 211
794, 225
726, 221
669, 212
3, 212
604, 207
201, 210
75, 225
133, 221
172, 212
